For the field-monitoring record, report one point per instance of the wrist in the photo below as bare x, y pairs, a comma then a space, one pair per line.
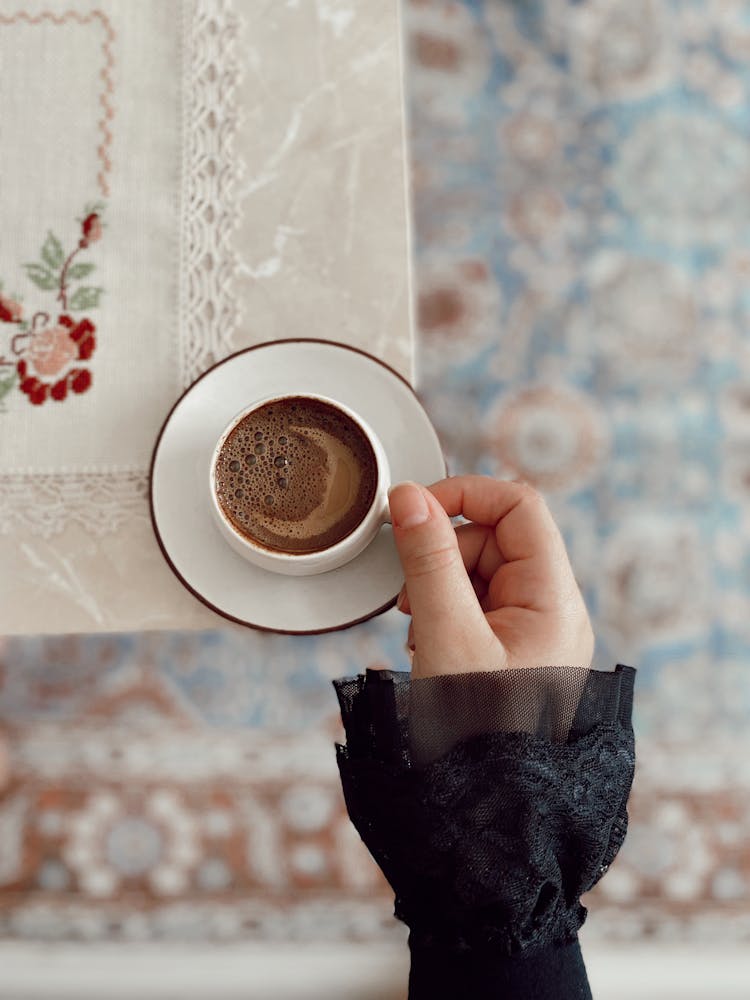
537, 973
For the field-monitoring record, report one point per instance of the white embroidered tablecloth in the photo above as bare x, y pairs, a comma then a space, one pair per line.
178, 180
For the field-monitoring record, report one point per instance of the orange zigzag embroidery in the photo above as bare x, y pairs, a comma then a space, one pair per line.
105, 73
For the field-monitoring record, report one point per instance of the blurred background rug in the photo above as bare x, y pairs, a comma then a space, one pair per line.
581, 187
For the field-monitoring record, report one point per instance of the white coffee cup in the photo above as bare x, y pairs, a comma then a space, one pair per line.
307, 563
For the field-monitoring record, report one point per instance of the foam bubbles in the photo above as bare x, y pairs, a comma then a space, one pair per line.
286, 484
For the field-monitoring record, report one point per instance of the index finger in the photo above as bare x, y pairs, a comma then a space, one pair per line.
522, 521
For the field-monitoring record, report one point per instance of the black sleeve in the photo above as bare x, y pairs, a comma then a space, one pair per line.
491, 802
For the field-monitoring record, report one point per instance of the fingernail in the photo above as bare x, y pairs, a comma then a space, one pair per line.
408, 505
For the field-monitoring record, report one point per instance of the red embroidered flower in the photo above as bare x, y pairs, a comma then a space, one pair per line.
10, 311
92, 229
51, 350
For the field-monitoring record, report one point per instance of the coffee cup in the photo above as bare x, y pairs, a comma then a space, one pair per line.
298, 484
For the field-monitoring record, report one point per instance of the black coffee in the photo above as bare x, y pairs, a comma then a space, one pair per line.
296, 475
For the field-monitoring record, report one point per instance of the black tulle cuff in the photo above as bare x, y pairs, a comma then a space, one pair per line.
491, 801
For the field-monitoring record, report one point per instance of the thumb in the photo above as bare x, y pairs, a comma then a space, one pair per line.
451, 632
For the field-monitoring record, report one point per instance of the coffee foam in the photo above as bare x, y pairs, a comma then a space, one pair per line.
296, 475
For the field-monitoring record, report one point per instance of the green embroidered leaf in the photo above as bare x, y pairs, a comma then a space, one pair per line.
53, 254
6, 384
41, 277
78, 271
85, 298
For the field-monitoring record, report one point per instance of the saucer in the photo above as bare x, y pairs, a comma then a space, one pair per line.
180, 509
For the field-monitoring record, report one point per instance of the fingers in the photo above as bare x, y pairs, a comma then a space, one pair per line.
523, 524
449, 625
512, 541
480, 556
516, 562
524, 529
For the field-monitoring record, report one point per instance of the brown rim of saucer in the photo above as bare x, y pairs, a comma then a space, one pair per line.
180, 577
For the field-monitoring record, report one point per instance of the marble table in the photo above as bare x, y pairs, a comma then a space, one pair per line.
280, 202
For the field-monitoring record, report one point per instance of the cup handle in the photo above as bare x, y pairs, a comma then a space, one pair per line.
385, 513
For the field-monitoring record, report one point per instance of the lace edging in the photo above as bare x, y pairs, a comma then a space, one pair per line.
41, 506
493, 847
208, 310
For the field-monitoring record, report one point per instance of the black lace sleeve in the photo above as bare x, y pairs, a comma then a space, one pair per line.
491, 802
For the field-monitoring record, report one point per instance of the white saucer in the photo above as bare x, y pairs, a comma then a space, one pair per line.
187, 534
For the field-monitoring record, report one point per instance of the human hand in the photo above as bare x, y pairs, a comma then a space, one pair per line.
498, 592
